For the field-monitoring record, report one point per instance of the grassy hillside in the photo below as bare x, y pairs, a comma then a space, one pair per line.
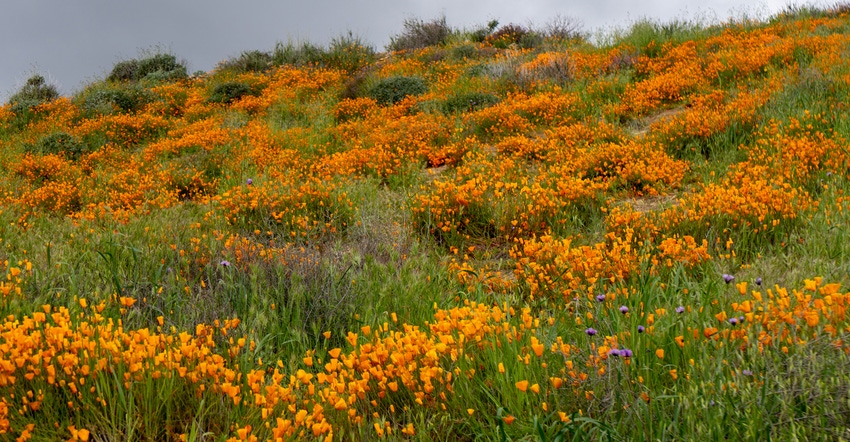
499, 234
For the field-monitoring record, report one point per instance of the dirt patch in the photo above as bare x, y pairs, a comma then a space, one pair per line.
652, 203
645, 123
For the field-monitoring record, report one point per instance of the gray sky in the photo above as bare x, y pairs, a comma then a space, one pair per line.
74, 42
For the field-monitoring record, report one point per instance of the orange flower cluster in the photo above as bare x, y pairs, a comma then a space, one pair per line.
775, 317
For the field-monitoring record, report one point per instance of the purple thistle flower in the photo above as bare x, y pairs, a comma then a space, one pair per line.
733, 321
680, 309
641, 329
758, 281
626, 353
250, 181
614, 352
741, 319
600, 297
590, 331
225, 263
624, 309
728, 278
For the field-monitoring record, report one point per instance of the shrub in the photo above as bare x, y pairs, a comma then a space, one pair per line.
481, 33
468, 101
60, 143
349, 53
418, 34
292, 54
230, 91
511, 34
34, 92
394, 89
157, 67
564, 28
248, 61
111, 100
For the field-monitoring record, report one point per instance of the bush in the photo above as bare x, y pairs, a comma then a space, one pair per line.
564, 28
34, 92
59, 143
394, 89
481, 33
418, 34
111, 100
157, 67
468, 101
230, 91
511, 34
349, 53
248, 61
307, 54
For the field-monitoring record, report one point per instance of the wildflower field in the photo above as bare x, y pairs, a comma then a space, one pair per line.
503, 234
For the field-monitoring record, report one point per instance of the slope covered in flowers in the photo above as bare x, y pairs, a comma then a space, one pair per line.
643, 239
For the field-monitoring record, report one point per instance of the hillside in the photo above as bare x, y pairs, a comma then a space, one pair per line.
498, 234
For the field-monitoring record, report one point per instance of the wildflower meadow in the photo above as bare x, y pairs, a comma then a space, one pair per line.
501, 233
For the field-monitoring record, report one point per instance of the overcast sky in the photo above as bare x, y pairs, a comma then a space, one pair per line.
74, 42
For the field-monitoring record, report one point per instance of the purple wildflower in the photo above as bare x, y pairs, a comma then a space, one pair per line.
600, 297
590, 331
225, 263
614, 352
758, 281
747, 372
250, 181
728, 278
626, 353
641, 329
680, 309
733, 321
624, 309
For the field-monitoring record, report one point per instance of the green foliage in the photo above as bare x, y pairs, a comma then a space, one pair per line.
60, 143
226, 93
106, 98
349, 53
418, 34
346, 52
248, 61
304, 54
157, 67
394, 89
513, 34
481, 33
468, 101
34, 92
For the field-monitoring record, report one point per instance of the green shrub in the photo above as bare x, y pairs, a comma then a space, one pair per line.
481, 33
346, 52
468, 101
34, 92
305, 54
418, 34
248, 61
230, 91
157, 67
511, 34
394, 89
106, 100
59, 143
349, 53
